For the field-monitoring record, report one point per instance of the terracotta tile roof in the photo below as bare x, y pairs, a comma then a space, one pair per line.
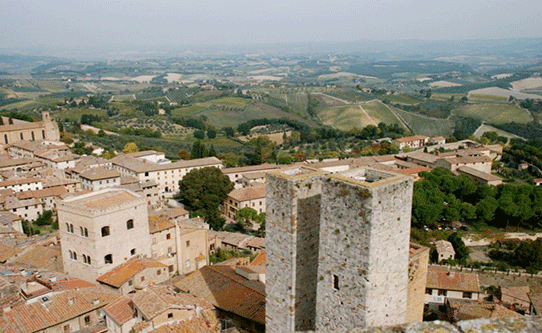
259, 259
412, 138
120, 310
477, 173
466, 310
46, 257
256, 242
122, 273
10, 162
60, 308
56, 191
424, 157
248, 193
467, 159
140, 166
68, 284
439, 279
444, 247
153, 301
250, 168
19, 181
6, 252
99, 173
208, 323
411, 171
536, 302
222, 287
515, 295
158, 223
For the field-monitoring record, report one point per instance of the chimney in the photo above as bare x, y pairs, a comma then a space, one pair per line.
96, 301
71, 300
450, 274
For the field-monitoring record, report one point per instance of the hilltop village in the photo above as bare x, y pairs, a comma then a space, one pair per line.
89, 244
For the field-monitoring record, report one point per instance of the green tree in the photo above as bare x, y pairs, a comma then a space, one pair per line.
211, 133
198, 150
205, 189
461, 250
199, 134
529, 255
229, 132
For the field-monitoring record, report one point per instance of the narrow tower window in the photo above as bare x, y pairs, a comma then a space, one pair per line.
335, 282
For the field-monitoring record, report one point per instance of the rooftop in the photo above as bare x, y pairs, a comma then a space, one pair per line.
99, 173
478, 174
155, 300
103, 198
158, 223
55, 310
121, 274
447, 280
137, 165
248, 193
120, 310
412, 138
444, 246
225, 289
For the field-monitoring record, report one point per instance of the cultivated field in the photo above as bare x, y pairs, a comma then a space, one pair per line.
487, 128
425, 125
502, 92
380, 113
347, 117
494, 113
441, 84
529, 83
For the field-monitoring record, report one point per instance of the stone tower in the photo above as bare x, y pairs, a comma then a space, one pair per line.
337, 249
293, 219
364, 249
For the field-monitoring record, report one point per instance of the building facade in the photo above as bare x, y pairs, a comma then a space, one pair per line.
20, 130
102, 230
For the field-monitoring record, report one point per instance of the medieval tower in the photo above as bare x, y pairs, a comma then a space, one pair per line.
346, 234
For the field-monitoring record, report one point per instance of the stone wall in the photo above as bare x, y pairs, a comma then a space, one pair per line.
293, 198
364, 246
417, 278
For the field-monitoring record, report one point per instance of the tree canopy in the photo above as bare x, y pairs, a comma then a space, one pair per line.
204, 190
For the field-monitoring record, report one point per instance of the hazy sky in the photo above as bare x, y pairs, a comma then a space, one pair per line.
125, 23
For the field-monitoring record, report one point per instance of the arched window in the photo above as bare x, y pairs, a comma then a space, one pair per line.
105, 231
86, 232
21, 135
74, 255
33, 136
71, 228
43, 134
88, 260
67, 227
108, 259
133, 251
71, 254
82, 232
6, 138
130, 224
84, 258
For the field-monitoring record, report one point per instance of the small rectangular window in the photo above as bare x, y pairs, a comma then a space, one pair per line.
158, 272
187, 243
335, 282
428, 291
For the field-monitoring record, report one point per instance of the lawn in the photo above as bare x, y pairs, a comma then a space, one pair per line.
23, 105
494, 113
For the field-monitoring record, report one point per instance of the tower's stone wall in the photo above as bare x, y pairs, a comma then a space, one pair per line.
364, 246
292, 230
417, 279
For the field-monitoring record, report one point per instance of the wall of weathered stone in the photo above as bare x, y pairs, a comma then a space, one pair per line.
417, 278
363, 251
292, 222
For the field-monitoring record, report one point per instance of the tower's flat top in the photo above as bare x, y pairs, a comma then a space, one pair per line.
369, 177
297, 172
102, 199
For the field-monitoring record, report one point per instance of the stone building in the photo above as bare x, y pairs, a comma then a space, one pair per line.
252, 197
102, 230
98, 178
417, 278
20, 130
338, 249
